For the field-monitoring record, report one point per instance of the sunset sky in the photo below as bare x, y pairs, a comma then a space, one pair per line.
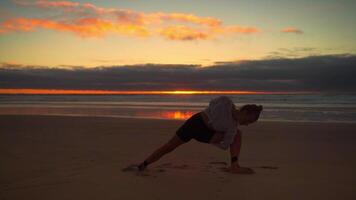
176, 35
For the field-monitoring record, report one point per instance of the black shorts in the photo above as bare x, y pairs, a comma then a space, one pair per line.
195, 128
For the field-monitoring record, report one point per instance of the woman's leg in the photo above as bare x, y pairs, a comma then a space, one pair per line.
173, 143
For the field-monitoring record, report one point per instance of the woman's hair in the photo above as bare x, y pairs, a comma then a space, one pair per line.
253, 108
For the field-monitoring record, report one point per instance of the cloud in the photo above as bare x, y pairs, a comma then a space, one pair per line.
126, 14
296, 52
87, 27
62, 4
326, 73
44, 3
183, 33
235, 29
292, 30
89, 20
180, 32
188, 18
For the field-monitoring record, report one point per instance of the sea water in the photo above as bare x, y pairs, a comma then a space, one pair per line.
277, 107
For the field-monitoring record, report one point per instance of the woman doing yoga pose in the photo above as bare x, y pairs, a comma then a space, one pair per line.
218, 125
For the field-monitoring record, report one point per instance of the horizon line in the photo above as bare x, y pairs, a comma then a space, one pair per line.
138, 92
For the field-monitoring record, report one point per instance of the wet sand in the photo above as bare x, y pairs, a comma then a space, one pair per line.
49, 157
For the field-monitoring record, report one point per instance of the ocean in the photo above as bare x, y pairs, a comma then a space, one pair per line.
277, 107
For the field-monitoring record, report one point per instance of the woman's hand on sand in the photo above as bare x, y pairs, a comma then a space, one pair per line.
240, 170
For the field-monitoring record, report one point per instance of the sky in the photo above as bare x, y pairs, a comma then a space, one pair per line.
204, 38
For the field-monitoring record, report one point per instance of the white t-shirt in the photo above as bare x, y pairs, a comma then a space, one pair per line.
220, 117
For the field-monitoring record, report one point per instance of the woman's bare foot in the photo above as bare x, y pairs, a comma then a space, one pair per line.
142, 166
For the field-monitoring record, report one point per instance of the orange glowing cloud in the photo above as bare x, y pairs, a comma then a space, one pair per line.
234, 29
98, 22
87, 27
183, 33
57, 4
45, 3
292, 30
180, 32
124, 13
188, 18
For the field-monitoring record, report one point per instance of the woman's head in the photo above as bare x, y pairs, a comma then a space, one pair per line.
249, 113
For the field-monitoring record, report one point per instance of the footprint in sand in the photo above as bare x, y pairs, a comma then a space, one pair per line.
129, 168
164, 165
268, 167
223, 166
224, 163
133, 168
180, 167
169, 165
218, 163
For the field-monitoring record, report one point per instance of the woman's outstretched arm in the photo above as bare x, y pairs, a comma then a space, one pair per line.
235, 148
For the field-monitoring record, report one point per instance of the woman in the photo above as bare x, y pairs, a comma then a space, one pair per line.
217, 125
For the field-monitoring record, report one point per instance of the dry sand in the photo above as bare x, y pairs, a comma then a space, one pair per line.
48, 157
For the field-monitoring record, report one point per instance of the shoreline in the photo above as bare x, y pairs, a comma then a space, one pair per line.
166, 119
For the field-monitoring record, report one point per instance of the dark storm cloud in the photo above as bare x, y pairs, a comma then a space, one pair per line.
328, 73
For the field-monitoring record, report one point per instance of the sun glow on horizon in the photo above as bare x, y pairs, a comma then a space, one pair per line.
123, 92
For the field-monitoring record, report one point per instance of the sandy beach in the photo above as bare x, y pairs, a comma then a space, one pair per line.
52, 157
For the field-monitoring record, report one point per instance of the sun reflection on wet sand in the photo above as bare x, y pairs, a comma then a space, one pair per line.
177, 114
